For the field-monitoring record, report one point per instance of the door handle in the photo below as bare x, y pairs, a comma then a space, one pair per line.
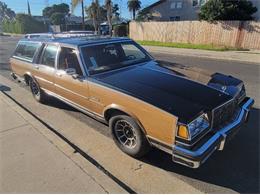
36, 67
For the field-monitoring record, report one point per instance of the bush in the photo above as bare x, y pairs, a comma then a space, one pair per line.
120, 30
23, 24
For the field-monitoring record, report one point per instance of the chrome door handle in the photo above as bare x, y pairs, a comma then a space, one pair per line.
36, 67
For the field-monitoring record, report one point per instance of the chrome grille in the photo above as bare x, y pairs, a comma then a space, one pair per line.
224, 114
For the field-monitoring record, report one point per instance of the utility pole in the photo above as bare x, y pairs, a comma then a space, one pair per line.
29, 9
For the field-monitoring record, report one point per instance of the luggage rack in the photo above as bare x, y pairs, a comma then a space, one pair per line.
69, 34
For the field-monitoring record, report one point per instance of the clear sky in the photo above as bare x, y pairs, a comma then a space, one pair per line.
20, 6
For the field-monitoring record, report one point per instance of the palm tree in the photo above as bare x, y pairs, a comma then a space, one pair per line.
109, 8
93, 11
75, 3
133, 6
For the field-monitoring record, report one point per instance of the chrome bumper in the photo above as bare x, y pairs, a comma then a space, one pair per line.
194, 158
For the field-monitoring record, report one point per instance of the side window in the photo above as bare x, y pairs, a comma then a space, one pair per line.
49, 55
26, 50
68, 59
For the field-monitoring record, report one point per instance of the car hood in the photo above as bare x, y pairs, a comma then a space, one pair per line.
183, 93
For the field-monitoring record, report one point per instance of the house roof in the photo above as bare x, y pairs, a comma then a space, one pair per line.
154, 4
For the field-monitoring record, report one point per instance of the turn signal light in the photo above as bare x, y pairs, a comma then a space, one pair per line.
183, 132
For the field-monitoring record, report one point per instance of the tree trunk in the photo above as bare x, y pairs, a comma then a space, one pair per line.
109, 18
82, 10
133, 14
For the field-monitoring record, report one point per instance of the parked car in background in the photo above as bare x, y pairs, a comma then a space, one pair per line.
146, 103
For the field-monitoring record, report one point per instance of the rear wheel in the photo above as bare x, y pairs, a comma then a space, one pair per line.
128, 136
37, 92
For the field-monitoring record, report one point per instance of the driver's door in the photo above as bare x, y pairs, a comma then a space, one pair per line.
72, 88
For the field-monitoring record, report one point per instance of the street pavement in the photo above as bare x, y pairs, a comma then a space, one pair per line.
236, 169
30, 163
251, 56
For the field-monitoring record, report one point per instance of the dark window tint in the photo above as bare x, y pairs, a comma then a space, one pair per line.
49, 55
68, 59
26, 50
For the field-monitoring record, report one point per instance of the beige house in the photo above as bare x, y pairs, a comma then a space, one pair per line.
175, 10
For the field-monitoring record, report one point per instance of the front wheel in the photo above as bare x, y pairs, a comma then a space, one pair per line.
37, 92
128, 136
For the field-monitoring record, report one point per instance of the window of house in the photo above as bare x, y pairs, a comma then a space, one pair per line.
68, 59
49, 55
176, 5
173, 5
198, 2
179, 5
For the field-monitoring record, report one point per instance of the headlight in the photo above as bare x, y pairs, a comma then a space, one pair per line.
194, 128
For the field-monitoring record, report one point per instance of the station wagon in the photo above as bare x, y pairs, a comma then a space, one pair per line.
146, 103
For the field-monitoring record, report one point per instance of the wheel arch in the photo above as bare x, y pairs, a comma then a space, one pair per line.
115, 109
27, 76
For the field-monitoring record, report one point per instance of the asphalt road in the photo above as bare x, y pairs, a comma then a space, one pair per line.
237, 168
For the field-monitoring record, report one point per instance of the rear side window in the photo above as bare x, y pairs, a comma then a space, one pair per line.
26, 50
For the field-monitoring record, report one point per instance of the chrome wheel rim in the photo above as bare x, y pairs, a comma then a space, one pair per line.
34, 88
125, 133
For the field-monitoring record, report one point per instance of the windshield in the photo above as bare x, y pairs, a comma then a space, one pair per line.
110, 56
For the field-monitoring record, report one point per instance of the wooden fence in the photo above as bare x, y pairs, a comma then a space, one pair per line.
224, 33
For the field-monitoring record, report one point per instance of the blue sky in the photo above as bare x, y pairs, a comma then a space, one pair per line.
38, 5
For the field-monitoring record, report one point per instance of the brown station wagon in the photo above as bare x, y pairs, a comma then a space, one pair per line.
146, 103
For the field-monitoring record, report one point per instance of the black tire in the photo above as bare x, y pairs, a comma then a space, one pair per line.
137, 148
37, 92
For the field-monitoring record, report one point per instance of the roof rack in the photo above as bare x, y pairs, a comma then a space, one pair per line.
69, 34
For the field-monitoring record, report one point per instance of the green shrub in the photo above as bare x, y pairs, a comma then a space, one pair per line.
23, 24
120, 30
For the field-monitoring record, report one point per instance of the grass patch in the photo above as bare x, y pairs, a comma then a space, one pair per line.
190, 46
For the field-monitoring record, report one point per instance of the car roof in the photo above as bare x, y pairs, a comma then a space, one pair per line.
77, 41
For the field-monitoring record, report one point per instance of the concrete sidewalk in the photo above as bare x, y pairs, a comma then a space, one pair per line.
252, 56
31, 163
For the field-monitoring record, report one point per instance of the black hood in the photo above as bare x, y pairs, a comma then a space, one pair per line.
165, 88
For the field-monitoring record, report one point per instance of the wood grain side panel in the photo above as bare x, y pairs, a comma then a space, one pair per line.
157, 123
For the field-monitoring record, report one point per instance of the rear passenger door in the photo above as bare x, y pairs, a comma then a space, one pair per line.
44, 69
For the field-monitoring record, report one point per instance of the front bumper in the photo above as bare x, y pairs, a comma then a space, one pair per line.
194, 158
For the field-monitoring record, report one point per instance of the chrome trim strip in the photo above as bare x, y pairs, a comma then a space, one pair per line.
159, 144
42, 79
82, 109
157, 140
70, 91
222, 132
